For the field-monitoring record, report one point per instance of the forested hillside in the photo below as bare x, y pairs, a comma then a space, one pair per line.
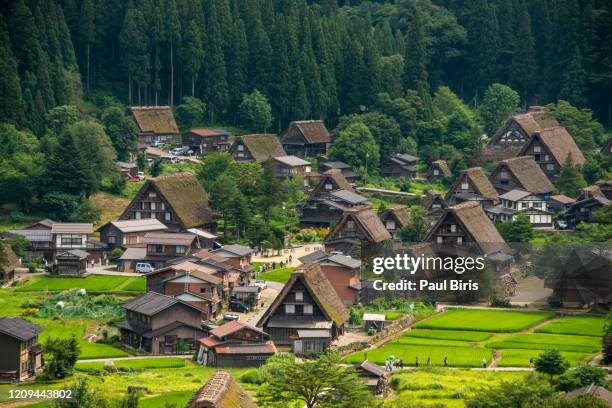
316, 59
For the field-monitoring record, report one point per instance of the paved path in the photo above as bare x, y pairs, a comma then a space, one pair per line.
93, 360
295, 252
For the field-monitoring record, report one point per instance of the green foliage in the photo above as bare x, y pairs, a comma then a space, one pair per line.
156, 168
530, 393
255, 112
581, 376
519, 230
60, 117
484, 320
86, 212
586, 131
63, 354
60, 205
121, 130
417, 228
83, 396
570, 179
551, 362
356, 146
498, 104
189, 112
304, 381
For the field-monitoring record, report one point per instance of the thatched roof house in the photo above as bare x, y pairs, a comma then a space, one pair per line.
257, 148
7, 269
306, 138
178, 200
523, 173
155, 123
396, 218
472, 185
221, 391
438, 170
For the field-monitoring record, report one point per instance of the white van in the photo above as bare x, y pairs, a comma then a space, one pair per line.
142, 267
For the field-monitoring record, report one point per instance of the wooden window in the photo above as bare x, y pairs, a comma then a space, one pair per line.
439, 240
307, 309
290, 309
537, 149
299, 295
390, 224
328, 186
453, 228
180, 249
153, 206
137, 215
112, 239
436, 172
459, 240
350, 225
167, 216
465, 185
550, 167
152, 194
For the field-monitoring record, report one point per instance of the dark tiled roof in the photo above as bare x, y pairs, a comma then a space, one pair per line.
19, 328
232, 327
349, 196
151, 303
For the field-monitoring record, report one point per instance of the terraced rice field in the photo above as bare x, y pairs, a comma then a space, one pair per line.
578, 325
496, 321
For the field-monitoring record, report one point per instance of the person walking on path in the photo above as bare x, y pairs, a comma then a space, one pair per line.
416, 362
445, 361
484, 362
428, 361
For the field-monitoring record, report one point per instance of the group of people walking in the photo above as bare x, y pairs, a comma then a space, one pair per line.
391, 363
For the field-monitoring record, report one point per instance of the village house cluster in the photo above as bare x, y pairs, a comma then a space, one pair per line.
168, 233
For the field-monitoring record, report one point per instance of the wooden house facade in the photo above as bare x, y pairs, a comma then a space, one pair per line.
399, 165
472, 185
551, 148
521, 173
7, 269
395, 218
306, 138
516, 202
22, 356
126, 233
177, 200
438, 171
288, 167
346, 169
434, 203
307, 315
160, 324
204, 141
235, 344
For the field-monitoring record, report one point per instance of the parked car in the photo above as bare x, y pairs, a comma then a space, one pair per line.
150, 162
143, 267
231, 316
141, 176
261, 284
236, 306
157, 143
170, 159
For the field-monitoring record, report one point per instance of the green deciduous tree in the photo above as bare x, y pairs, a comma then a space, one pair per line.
519, 230
498, 104
570, 179
255, 112
551, 362
416, 229
189, 112
121, 130
321, 382
64, 353
356, 146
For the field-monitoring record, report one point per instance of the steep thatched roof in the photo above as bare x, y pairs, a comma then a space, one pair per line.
401, 214
263, 146
528, 173
443, 166
12, 260
476, 223
336, 179
154, 119
184, 194
313, 131
537, 118
366, 220
319, 288
479, 180
559, 143
221, 391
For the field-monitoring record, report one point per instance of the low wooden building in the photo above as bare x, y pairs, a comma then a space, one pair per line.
177, 200
157, 249
204, 141
306, 138
359, 230
126, 233
345, 169
22, 357
235, 344
7, 269
551, 148
472, 185
155, 124
256, 148
521, 173
343, 272
395, 218
399, 165
307, 314
582, 210
160, 324
434, 203
288, 167
516, 202
71, 262
559, 203
438, 171
375, 375
374, 320
221, 391
128, 170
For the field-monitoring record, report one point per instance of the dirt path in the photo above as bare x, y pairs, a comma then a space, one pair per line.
93, 360
538, 325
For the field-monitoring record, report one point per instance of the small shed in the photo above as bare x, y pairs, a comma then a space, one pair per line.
375, 320
246, 294
375, 375
72, 262
312, 341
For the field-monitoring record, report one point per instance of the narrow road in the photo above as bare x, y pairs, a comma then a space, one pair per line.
93, 360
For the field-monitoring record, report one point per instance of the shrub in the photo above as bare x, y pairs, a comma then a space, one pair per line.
30, 311
16, 216
116, 253
500, 302
555, 302
32, 267
251, 377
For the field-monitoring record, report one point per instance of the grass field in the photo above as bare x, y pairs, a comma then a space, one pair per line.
448, 387
142, 363
520, 357
578, 325
95, 283
484, 320
88, 350
457, 356
277, 275
537, 341
449, 335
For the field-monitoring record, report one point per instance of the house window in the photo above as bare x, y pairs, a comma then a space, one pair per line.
299, 295
436, 206
537, 149
153, 206
439, 240
550, 167
72, 240
240, 148
546, 157
308, 169
152, 194
290, 309
162, 206
459, 240
350, 225
240, 154
537, 204
465, 185
390, 224
436, 172
112, 239
152, 215
167, 216
453, 228
157, 249
328, 186
180, 249
137, 215
307, 309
